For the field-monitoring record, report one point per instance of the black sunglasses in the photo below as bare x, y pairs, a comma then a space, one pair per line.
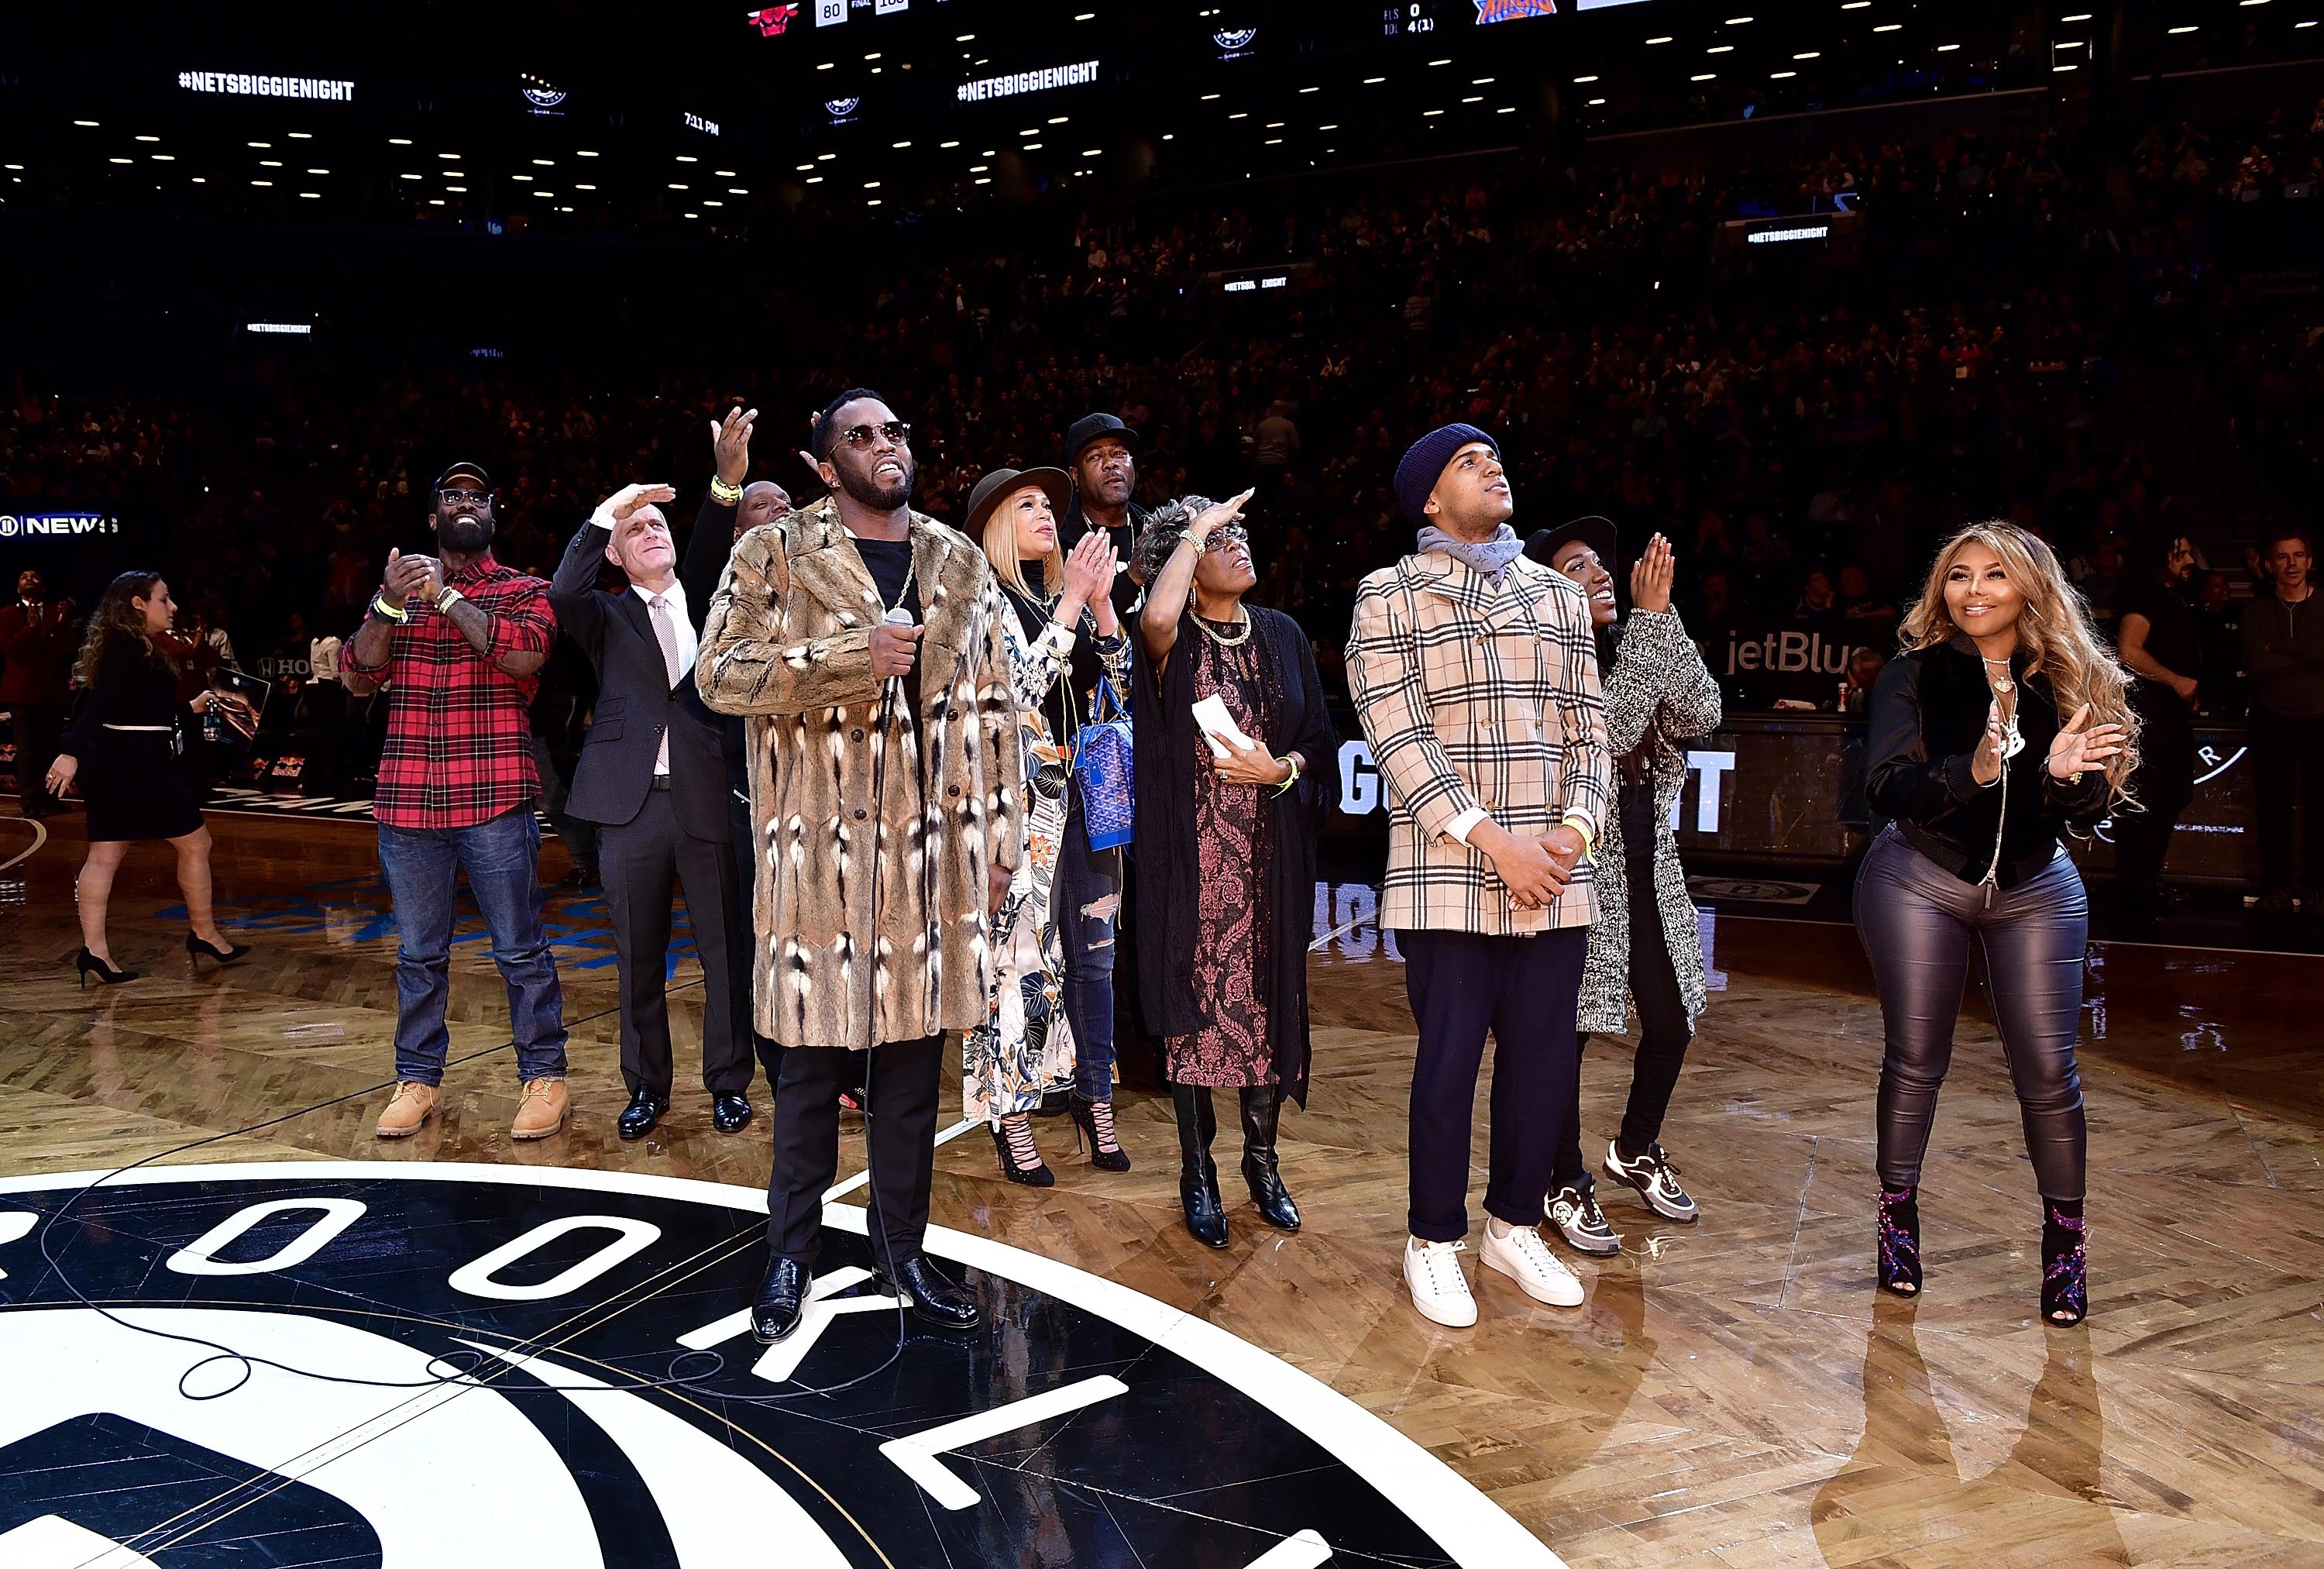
859, 437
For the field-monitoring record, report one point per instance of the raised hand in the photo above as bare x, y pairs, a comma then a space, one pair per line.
1651, 574
1218, 516
2077, 750
630, 497
730, 443
1089, 570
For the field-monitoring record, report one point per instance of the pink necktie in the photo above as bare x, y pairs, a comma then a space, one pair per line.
666, 635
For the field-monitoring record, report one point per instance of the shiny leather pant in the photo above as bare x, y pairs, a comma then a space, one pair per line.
1918, 922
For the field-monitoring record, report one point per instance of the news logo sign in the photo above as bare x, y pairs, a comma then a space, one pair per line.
38, 525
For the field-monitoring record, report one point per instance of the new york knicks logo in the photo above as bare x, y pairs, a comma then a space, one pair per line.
444, 1367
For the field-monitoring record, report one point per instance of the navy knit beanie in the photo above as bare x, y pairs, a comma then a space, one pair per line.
1424, 461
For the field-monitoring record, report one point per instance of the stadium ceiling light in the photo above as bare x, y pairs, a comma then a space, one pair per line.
1663, 40
432, 201
805, 167
2077, 16
1032, 146
871, 185
1208, 97
90, 122
1240, 115
15, 166
1374, 81
724, 173
407, 177
2251, 2
1857, 5
814, 180
270, 144
583, 152
277, 164
948, 145
1085, 16
824, 66
1890, 27
2298, 25
578, 186
825, 157
1430, 114
120, 161
149, 138
1311, 89
200, 180
687, 158
675, 186
1721, 49
399, 141
1059, 119
1593, 103
1738, 21
1704, 76
984, 179
978, 168
546, 195
1477, 99
1584, 81
461, 189
1092, 151
1947, 48
1810, 54
899, 144
544, 162
1440, 62
1274, 124
1275, 141
451, 155
1782, 76
2060, 68
712, 201
965, 38
302, 136
2183, 30
1333, 126
1480, 81
262, 184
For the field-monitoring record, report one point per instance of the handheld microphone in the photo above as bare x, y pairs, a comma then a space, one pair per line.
898, 616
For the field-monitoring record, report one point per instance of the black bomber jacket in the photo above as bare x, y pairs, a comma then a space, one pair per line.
1927, 714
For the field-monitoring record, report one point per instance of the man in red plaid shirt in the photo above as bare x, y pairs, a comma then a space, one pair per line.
455, 641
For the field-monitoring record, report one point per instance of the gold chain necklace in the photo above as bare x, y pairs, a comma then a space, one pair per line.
1222, 639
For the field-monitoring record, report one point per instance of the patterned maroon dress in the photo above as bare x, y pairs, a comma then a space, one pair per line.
1232, 917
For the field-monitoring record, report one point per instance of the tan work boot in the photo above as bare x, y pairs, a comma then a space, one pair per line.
541, 1113
412, 1104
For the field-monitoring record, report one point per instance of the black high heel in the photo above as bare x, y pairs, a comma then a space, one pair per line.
2065, 1267
197, 950
88, 965
1094, 1132
1900, 1241
1020, 1159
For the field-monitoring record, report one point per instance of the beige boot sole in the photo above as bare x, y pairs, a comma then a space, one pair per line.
386, 1132
548, 1132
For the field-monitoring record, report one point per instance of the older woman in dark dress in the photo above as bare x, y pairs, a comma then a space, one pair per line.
1225, 845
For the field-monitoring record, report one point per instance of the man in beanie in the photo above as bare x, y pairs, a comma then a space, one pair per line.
1474, 672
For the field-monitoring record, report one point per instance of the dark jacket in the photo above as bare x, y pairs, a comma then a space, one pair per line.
2283, 653
1167, 752
1125, 543
636, 703
38, 647
1928, 715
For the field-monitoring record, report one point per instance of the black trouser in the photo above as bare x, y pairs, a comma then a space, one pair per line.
35, 727
1523, 989
743, 835
2288, 777
900, 1116
1917, 920
643, 861
1663, 1030
2162, 785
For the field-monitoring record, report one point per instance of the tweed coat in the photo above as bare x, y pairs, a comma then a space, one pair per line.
1486, 698
1657, 679
788, 644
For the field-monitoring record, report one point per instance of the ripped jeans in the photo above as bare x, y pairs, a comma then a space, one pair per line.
1088, 903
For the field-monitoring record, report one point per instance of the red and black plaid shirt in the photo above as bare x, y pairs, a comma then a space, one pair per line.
459, 738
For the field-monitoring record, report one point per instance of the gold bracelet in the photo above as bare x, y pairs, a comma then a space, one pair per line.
447, 597
1292, 764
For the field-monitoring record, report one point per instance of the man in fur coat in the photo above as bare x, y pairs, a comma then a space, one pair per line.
885, 798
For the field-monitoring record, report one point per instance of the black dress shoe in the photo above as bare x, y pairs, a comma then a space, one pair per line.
775, 1312
932, 1297
730, 1113
644, 1110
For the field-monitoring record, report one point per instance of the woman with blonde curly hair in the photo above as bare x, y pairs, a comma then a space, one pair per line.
2002, 723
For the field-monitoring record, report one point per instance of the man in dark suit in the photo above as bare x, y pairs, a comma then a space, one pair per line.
653, 775
36, 640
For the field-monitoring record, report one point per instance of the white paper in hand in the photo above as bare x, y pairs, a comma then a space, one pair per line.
1218, 726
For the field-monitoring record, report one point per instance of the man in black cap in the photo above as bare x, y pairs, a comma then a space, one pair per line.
1100, 453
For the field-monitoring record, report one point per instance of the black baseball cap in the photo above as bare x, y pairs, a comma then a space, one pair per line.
1090, 426
474, 471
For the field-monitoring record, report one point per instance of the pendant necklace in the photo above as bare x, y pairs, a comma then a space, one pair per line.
2013, 743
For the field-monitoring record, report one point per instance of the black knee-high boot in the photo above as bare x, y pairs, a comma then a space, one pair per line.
1198, 1177
1262, 1105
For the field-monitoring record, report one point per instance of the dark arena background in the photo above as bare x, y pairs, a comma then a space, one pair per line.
1801, 290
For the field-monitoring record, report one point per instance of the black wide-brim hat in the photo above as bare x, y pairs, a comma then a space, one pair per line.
1004, 482
1596, 533
1090, 426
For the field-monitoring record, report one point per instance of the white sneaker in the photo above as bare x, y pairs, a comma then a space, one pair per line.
1432, 1273
1527, 1259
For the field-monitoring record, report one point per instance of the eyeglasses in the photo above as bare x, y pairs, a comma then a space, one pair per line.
859, 436
474, 498
1225, 535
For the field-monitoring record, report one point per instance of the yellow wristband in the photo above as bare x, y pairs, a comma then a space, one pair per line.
721, 493
380, 608
1589, 839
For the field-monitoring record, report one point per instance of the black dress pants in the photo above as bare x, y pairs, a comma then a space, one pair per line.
1663, 1032
643, 861
1524, 990
743, 942
901, 1118
2288, 777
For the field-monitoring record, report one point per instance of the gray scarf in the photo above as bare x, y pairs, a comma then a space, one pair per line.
1489, 561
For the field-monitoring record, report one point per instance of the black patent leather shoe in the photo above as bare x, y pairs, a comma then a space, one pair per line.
638, 1119
730, 1113
932, 1297
776, 1311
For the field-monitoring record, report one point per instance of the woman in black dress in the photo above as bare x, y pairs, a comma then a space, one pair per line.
1225, 845
127, 754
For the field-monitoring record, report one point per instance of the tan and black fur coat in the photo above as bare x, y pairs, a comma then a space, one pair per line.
787, 643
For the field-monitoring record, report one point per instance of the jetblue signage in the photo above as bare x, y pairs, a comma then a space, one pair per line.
1361, 791
25, 525
1028, 81
255, 87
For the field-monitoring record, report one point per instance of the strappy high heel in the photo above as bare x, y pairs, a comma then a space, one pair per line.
1020, 1158
1094, 1132
1900, 1241
2065, 1266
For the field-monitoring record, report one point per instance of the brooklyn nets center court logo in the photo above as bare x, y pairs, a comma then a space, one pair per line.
446, 1367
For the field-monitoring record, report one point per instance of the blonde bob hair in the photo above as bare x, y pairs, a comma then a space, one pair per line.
2053, 634
1000, 542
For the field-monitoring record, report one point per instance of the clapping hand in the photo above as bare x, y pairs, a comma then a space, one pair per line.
405, 575
1986, 766
2077, 750
1089, 573
1650, 577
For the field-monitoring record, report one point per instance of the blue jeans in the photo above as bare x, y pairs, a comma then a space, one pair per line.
1088, 894
502, 857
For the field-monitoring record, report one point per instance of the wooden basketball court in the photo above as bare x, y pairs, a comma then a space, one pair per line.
1732, 1392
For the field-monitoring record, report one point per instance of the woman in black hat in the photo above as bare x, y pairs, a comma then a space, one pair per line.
1226, 845
1644, 947
1064, 636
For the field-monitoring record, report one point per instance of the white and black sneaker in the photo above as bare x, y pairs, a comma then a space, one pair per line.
1573, 1210
1656, 1180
